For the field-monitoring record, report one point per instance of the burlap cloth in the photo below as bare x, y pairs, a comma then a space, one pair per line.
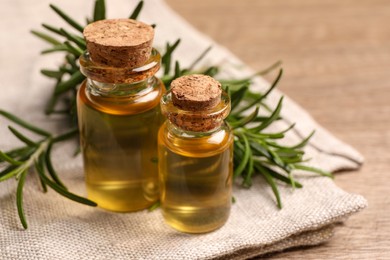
61, 229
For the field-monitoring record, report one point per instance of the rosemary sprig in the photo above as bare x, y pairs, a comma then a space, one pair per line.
255, 150
34, 154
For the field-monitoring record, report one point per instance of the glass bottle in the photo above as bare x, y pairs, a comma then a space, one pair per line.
119, 114
195, 155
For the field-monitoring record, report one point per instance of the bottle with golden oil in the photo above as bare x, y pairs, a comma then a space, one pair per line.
195, 155
119, 114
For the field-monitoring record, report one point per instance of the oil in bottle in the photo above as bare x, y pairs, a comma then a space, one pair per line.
195, 155
119, 114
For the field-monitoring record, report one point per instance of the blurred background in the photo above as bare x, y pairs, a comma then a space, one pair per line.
336, 57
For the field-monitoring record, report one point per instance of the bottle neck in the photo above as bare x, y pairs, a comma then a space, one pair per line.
179, 131
142, 87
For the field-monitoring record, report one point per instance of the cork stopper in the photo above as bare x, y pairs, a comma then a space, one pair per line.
119, 42
196, 103
196, 92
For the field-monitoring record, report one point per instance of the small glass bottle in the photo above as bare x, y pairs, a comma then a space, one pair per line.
119, 114
195, 155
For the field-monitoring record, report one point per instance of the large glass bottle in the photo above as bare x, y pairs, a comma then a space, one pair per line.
195, 155
119, 114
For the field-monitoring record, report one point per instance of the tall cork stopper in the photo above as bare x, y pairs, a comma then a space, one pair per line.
119, 42
196, 92
196, 103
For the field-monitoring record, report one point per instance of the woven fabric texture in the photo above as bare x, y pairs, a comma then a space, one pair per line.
61, 229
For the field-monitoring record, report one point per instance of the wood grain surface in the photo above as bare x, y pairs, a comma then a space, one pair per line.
336, 56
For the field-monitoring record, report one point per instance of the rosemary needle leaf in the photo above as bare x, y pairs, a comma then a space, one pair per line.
240, 168
99, 12
154, 206
201, 56
9, 159
303, 142
22, 137
237, 96
7, 170
167, 57
69, 20
211, 71
39, 166
312, 169
56, 48
52, 73
72, 49
137, 10
73, 38
24, 123
269, 69
281, 177
52, 29
46, 37
261, 97
270, 119
50, 168
19, 199
75, 79
248, 177
66, 193
271, 182
245, 120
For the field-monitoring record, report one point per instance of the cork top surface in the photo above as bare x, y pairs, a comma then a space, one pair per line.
196, 92
118, 33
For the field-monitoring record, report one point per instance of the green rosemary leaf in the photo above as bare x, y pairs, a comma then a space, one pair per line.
72, 49
248, 177
14, 172
52, 73
50, 168
73, 81
19, 199
254, 102
201, 57
154, 206
56, 48
237, 96
52, 29
233, 199
269, 69
271, 118
245, 120
66, 193
46, 37
22, 137
99, 11
303, 142
7, 170
167, 57
275, 174
17, 152
66, 136
240, 168
271, 182
71, 59
39, 167
69, 20
177, 70
137, 10
211, 71
73, 38
312, 169
9, 159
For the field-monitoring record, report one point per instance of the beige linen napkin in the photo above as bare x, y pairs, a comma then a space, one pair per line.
61, 229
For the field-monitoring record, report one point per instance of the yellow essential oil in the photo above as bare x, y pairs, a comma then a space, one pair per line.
195, 164
119, 117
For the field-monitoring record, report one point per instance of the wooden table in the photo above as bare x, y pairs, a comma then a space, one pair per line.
336, 56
